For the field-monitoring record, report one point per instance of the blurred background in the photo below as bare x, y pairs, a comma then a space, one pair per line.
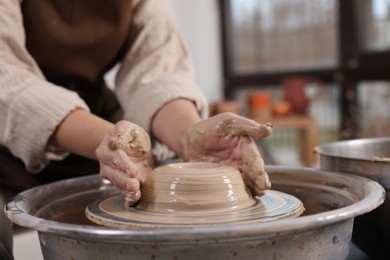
318, 70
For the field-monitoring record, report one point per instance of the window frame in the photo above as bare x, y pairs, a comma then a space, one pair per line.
353, 65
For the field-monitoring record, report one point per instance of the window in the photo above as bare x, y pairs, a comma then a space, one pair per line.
343, 43
280, 35
375, 25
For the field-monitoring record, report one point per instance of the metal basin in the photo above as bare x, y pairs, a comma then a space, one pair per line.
331, 200
368, 158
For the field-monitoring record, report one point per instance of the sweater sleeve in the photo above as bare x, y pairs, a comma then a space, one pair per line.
157, 67
30, 107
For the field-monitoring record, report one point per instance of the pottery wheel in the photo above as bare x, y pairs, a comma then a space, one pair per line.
111, 211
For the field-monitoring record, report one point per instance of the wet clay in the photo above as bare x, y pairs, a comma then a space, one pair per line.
236, 135
194, 188
126, 143
127, 135
272, 206
380, 159
180, 194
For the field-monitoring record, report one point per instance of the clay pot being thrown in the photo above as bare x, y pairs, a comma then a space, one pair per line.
194, 188
193, 193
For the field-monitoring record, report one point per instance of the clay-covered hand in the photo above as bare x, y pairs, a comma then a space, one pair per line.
229, 139
125, 159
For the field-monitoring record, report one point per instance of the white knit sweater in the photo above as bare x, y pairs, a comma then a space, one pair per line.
156, 69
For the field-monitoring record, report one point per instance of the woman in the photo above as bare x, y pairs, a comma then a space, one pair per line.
60, 120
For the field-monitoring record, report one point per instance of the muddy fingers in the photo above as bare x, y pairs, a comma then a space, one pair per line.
253, 169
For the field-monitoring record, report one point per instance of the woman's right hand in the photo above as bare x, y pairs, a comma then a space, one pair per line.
125, 159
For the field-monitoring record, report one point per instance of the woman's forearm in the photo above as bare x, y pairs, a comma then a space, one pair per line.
172, 121
81, 133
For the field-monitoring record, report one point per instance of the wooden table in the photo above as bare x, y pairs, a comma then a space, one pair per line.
308, 134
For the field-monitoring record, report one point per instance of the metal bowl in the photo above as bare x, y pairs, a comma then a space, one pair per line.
368, 158
331, 200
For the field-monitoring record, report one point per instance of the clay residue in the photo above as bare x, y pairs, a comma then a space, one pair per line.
129, 157
252, 168
235, 127
233, 135
380, 159
254, 175
133, 138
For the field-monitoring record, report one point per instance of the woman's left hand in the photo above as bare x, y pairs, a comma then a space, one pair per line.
229, 139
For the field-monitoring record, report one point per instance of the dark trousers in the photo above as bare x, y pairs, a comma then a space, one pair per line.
5, 227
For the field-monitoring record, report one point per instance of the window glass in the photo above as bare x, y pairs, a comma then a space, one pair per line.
280, 35
283, 146
374, 20
374, 108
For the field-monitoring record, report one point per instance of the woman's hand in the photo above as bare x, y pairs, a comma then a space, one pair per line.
125, 159
228, 139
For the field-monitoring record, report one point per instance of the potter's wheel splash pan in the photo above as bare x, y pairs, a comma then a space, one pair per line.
331, 201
